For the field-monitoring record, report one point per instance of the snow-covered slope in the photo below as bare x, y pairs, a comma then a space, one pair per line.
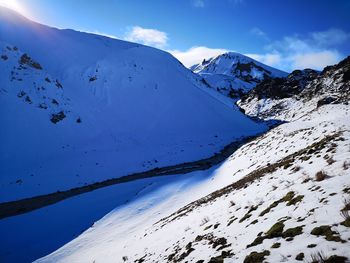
77, 108
233, 73
301, 92
281, 196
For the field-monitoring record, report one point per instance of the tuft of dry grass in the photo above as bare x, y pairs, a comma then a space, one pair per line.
232, 203
346, 165
330, 161
204, 221
320, 257
296, 168
346, 204
320, 176
345, 212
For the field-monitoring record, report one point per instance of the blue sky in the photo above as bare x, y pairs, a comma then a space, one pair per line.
286, 34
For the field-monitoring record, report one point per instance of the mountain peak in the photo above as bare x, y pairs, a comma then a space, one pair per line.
231, 72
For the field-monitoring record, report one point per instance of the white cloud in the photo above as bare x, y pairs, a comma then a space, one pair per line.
316, 60
195, 55
203, 3
290, 53
198, 3
291, 44
147, 36
330, 37
271, 59
258, 32
316, 50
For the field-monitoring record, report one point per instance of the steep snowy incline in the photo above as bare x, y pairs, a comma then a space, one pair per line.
278, 198
79, 108
233, 73
283, 197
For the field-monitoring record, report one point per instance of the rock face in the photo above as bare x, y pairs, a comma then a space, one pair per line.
282, 98
280, 88
232, 73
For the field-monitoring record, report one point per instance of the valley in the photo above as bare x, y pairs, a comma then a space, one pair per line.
113, 151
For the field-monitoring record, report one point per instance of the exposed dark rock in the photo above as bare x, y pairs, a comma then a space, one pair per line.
57, 117
327, 232
26, 60
256, 257
21, 94
58, 84
325, 101
93, 78
279, 88
330, 86
300, 256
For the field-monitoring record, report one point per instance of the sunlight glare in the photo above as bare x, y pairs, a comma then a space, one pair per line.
14, 5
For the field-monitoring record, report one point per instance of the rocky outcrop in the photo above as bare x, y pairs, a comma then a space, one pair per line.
281, 98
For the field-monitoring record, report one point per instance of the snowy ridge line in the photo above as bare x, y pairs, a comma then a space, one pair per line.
249, 178
13, 208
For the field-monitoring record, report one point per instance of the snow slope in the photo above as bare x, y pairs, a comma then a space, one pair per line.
283, 197
78, 108
270, 180
44, 230
232, 72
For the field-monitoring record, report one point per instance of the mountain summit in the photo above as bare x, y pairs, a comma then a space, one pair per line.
232, 72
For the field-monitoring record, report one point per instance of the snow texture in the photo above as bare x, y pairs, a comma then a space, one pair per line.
78, 108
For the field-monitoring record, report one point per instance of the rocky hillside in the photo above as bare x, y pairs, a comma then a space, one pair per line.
25, 79
300, 92
232, 73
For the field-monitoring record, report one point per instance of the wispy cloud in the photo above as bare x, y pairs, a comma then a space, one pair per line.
147, 36
236, 1
198, 3
316, 60
256, 31
271, 59
330, 37
316, 50
203, 3
195, 55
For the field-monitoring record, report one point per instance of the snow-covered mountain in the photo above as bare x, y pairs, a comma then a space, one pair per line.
283, 197
233, 73
299, 93
78, 108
